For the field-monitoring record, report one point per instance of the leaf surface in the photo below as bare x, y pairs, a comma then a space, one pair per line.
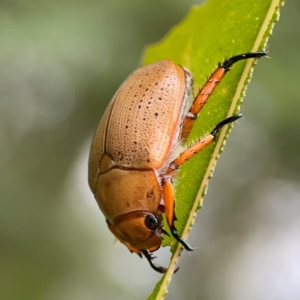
209, 34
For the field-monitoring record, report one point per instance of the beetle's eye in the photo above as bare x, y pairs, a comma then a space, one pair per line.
151, 222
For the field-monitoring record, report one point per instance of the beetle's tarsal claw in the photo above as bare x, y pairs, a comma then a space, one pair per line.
229, 62
180, 240
165, 232
225, 122
154, 266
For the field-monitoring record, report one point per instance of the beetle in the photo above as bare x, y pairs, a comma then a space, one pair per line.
135, 152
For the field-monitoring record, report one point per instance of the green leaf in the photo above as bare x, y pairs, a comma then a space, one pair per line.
209, 34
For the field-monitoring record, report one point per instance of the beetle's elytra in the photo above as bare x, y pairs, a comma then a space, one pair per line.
134, 154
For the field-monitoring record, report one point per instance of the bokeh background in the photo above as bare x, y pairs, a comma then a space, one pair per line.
60, 63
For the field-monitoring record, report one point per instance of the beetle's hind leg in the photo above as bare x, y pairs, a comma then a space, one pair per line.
205, 92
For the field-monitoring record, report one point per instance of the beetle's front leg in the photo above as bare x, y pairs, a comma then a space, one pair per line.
154, 266
169, 201
146, 252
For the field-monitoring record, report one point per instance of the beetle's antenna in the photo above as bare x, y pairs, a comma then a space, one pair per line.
154, 266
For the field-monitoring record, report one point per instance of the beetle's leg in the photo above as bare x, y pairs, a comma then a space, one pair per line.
205, 92
116, 234
167, 184
168, 194
154, 266
198, 146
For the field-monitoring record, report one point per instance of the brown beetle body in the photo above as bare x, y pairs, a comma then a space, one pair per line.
133, 142
131, 162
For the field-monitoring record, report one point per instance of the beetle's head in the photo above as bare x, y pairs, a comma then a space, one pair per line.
141, 229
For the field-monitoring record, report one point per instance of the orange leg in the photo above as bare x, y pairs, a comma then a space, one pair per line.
169, 199
198, 146
168, 195
167, 184
205, 92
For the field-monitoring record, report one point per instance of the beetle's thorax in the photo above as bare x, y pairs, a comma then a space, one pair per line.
127, 197
121, 191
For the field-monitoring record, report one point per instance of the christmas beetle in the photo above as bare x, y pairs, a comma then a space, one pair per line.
136, 152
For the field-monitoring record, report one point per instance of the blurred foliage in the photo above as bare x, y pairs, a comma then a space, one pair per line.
61, 62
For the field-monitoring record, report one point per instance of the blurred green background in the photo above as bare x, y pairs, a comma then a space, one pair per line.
60, 64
